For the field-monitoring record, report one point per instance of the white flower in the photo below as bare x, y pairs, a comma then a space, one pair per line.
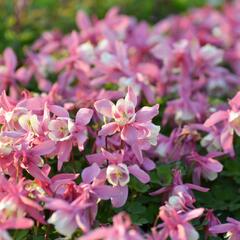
118, 175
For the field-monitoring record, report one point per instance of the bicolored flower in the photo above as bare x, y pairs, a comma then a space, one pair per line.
135, 128
228, 122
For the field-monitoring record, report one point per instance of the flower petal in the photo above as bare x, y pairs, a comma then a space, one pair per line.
146, 114
90, 173
84, 116
131, 96
104, 107
121, 198
108, 129
139, 173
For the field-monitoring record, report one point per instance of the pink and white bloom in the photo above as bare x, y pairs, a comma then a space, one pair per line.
117, 173
135, 128
64, 132
121, 229
205, 166
176, 226
229, 123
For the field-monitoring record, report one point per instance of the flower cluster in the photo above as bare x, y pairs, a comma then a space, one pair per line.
87, 137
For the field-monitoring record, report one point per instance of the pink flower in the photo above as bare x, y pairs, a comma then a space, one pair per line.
64, 132
117, 173
136, 128
15, 204
232, 229
121, 229
80, 212
230, 120
211, 221
179, 195
176, 226
9, 75
205, 166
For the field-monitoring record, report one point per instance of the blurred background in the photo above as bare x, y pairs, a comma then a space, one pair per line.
23, 21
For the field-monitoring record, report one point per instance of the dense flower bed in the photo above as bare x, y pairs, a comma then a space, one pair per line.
82, 154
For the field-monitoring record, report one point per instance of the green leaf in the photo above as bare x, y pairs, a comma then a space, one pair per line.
137, 185
164, 173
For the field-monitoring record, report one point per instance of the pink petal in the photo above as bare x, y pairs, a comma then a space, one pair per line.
36, 172
234, 102
139, 173
196, 187
83, 21
106, 192
159, 191
193, 214
222, 228
81, 139
43, 148
30, 203
226, 140
17, 223
214, 165
104, 107
121, 198
55, 204
84, 116
65, 176
146, 114
129, 134
131, 96
108, 129
138, 153
98, 158
215, 118
10, 59
64, 153
148, 164
59, 111
99, 233
90, 173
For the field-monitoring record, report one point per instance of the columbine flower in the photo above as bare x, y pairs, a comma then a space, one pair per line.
177, 226
9, 75
179, 195
65, 132
211, 221
206, 166
60, 129
82, 210
230, 120
135, 128
122, 229
232, 229
117, 173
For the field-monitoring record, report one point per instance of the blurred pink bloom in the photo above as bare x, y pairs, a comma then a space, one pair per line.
176, 226
121, 229
232, 229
